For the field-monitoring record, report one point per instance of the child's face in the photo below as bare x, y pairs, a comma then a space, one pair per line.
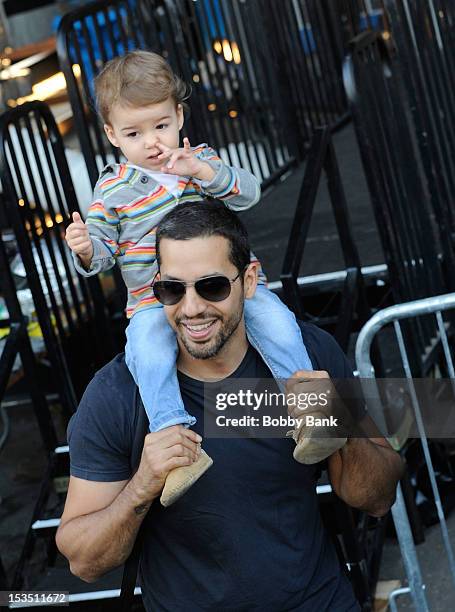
137, 130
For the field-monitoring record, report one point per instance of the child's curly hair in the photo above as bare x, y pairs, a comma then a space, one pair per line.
138, 78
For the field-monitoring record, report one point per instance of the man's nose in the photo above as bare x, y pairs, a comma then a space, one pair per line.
192, 304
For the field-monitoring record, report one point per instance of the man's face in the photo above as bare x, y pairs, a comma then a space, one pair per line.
137, 131
204, 328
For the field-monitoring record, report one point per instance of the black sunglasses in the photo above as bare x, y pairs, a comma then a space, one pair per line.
212, 288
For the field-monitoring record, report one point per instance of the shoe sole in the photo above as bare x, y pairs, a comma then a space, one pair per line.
178, 481
313, 450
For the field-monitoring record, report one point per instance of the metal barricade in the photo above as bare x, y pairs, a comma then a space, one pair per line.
18, 343
441, 330
39, 198
263, 73
353, 301
423, 32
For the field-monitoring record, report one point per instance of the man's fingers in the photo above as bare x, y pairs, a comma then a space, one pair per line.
186, 144
302, 377
176, 462
178, 450
179, 439
173, 435
309, 374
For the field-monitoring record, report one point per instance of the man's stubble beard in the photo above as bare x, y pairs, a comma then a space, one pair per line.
200, 351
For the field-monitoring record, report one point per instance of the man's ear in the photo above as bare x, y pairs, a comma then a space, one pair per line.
180, 116
250, 280
110, 135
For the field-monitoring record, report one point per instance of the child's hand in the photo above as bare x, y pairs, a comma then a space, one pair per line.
79, 241
183, 162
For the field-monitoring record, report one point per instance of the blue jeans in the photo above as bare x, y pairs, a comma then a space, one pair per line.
151, 353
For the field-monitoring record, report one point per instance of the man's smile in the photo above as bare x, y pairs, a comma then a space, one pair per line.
199, 330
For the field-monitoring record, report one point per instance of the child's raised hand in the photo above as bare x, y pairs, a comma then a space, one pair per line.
183, 162
78, 239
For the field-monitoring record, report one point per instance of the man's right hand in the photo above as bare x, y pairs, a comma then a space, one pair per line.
164, 451
79, 240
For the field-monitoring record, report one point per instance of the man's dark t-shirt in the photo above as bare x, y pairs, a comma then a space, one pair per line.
248, 535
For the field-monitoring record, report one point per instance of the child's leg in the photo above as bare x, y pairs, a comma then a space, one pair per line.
273, 331
151, 354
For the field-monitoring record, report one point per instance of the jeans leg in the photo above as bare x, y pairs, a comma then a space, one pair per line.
151, 355
273, 331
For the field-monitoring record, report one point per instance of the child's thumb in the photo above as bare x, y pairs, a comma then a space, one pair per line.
77, 218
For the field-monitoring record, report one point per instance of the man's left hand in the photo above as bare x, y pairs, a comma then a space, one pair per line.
305, 383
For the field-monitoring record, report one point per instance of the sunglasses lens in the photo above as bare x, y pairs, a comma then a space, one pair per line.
168, 292
214, 289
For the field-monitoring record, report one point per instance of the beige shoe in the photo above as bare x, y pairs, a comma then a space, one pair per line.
178, 481
310, 449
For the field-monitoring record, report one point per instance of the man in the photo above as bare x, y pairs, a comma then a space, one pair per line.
248, 535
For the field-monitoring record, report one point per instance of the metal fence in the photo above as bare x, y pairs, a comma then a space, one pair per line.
18, 343
415, 235
264, 74
38, 197
433, 307
353, 305
424, 35
400, 87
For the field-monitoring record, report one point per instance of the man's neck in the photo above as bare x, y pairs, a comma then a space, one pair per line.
219, 367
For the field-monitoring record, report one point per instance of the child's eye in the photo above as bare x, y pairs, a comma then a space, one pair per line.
132, 134
161, 126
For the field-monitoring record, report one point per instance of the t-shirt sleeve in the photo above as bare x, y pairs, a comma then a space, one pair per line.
100, 431
326, 354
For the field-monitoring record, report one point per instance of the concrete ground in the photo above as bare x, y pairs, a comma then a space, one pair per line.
439, 585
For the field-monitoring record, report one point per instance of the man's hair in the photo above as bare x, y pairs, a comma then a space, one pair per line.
138, 78
204, 219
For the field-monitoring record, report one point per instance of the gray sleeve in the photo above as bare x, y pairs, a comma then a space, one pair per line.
238, 188
104, 226
102, 259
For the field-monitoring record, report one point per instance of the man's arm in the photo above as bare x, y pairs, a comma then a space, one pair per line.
364, 474
101, 519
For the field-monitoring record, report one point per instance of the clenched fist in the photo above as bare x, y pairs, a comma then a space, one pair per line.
163, 451
79, 240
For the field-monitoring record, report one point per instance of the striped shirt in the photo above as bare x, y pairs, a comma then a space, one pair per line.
128, 205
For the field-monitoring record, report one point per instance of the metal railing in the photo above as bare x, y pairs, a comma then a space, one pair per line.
39, 197
263, 74
433, 306
419, 253
18, 343
424, 35
321, 161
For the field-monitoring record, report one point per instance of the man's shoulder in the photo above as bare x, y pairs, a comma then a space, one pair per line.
113, 379
324, 351
101, 432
